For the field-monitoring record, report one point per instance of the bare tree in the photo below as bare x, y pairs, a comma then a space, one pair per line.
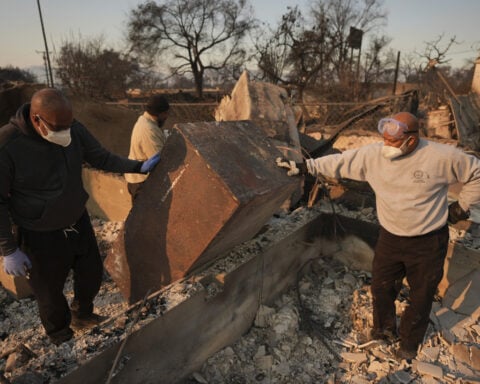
379, 65
191, 35
287, 47
411, 67
461, 78
10, 73
340, 15
315, 51
434, 77
88, 68
436, 51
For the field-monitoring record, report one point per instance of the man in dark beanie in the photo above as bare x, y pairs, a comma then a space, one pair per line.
147, 138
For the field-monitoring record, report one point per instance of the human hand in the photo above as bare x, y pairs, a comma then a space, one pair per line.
17, 263
456, 213
149, 164
293, 167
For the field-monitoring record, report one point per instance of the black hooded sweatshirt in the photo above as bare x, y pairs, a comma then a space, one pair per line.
41, 185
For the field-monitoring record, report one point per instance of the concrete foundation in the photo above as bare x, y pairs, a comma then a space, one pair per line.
170, 348
173, 346
216, 186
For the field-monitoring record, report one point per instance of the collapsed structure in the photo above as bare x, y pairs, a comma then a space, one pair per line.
215, 188
215, 193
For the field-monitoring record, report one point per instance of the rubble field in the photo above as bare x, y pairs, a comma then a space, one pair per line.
317, 332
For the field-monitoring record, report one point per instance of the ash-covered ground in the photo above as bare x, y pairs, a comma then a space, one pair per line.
317, 332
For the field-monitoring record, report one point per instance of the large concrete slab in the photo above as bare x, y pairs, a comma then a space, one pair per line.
459, 263
216, 186
176, 344
164, 352
109, 198
463, 295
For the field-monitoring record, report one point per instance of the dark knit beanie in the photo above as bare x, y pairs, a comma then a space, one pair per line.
157, 104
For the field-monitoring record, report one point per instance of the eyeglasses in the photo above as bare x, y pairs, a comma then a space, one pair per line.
51, 127
393, 128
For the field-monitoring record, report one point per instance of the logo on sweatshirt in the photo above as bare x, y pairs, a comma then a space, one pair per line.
420, 176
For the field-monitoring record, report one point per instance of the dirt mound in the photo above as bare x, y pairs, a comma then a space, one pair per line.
12, 95
111, 124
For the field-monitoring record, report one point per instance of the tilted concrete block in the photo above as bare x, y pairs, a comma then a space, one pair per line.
215, 187
109, 197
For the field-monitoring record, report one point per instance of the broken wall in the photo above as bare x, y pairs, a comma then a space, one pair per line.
216, 186
223, 308
267, 105
466, 112
476, 77
439, 123
109, 198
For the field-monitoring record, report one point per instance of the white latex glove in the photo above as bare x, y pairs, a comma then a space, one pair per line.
17, 263
288, 164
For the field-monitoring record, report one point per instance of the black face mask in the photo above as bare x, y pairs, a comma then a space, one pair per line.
160, 122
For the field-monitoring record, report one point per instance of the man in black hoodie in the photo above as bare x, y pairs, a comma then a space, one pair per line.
42, 150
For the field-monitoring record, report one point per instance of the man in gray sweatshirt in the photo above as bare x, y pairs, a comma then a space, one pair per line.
410, 177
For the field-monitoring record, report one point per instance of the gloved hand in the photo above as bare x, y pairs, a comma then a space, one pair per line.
17, 263
456, 213
149, 164
293, 167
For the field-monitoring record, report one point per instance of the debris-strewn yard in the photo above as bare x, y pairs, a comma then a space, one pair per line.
316, 332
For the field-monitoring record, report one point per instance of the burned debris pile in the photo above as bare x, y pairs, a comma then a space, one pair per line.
286, 302
316, 331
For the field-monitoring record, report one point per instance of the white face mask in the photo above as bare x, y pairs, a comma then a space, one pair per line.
62, 137
390, 152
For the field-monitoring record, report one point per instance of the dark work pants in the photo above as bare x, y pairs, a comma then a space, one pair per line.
134, 189
53, 255
420, 259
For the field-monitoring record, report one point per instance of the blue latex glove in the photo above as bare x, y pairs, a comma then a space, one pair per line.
16, 264
149, 164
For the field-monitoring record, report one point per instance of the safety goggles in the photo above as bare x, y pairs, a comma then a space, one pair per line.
393, 128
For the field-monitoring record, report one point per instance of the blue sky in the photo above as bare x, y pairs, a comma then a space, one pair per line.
411, 23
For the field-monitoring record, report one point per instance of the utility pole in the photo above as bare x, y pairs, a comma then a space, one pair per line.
49, 66
44, 56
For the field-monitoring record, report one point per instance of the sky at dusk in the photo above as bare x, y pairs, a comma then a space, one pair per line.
410, 24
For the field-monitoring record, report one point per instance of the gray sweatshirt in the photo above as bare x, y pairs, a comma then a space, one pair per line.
411, 191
